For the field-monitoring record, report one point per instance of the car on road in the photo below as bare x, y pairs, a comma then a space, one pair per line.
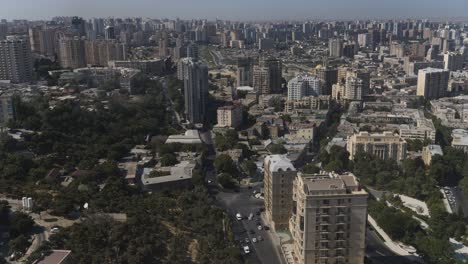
259, 227
247, 240
246, 249
254, 240
210, 181
55, 229
260, 238
251, 215
238, 216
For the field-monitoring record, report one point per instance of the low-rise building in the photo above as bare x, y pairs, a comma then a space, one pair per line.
229, 116
386, 145
167, 178
460, 139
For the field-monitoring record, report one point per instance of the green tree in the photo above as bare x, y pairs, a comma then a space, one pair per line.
249, 167
19, 244
310, 169
20, 223
277, 149
168, 160
226, 181
224, 163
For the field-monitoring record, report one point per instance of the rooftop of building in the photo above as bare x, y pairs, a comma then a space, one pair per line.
55, 257
460, 137
434, 150
189, 137
279, 163
332, 183
181, 171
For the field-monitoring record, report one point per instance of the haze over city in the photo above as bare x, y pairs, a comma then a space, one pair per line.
237, 10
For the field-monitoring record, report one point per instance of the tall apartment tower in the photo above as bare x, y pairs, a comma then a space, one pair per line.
163, 48
195, 77
261, 79
328, 221
303, 85
15, 59
453, 61
329, 76
100, 52
34, 38
7, 110
3, 30
278, 178
109, 32
353, 89
432, 83
48, 41
72, 52
384, 145
335, 47
192, 51
274, 68
244, 72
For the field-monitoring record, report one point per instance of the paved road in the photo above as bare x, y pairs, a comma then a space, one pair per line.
243, 202
378, 253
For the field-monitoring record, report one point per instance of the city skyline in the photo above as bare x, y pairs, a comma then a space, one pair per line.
239, 10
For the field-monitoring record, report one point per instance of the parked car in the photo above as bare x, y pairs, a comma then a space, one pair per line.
259, 227
247, 240
260, 238
254, 240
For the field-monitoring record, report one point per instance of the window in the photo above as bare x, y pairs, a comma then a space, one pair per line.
325, 202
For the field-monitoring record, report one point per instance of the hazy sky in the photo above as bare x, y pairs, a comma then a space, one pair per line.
235, 9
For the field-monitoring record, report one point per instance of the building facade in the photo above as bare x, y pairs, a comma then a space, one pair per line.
278, 178
328, 221
384, 145
229, 116
15, 59
432, 83
195, 77
72, 52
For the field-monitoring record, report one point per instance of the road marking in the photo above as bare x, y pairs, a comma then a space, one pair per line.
380, 253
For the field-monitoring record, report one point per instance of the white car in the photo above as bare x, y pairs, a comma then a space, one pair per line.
246, 249
254, 240
238, 216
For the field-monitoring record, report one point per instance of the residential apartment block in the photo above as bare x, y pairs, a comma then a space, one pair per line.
328, 221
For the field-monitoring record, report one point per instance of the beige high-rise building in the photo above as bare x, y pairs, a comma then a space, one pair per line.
15, 59
261, 80
229, 116
267, 76
397, 49
384, 145
244, 72
278, 178
99, 53
34, 38
72, 53
354, 88
432, 83
335, 47
453, 61
328, 221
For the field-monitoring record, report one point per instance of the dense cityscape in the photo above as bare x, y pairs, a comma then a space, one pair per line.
142, 140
